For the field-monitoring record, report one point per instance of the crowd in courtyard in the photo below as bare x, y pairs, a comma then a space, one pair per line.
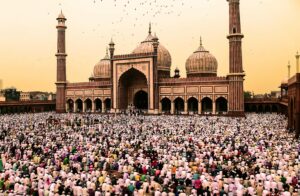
73, 154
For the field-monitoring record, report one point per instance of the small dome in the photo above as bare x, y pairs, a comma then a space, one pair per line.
102, 68
163, 59
201, 63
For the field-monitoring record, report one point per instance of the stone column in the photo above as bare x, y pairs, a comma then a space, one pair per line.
185, 107
103, 107
172, 107
199, 108
83, 106
67, 107
214, 107
75, 106
93, 106
160, 108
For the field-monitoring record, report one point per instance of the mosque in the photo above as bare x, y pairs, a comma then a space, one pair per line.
142, 78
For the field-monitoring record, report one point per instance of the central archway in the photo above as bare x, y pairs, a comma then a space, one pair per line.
141, 100
131, 84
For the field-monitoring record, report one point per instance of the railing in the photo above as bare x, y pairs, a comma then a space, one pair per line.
30, 102
268, 100
192, 79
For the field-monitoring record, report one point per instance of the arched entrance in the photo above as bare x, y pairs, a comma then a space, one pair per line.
98, 105
206, 104
107, 103
141, 100
221, 105
88, 105
193, 105
179, 105
130, 82
70, 105
79, 105
166, 105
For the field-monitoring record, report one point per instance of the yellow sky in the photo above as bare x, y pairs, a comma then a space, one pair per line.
28, 36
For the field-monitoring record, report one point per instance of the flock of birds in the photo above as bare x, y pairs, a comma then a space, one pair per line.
141, 12
140, 9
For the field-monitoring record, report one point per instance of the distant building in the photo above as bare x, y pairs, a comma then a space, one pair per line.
275, 94
51, 96
24, 96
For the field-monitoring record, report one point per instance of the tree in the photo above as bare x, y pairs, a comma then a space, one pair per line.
11, 94
247, 95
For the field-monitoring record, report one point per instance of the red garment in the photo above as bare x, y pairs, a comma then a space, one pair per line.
144, 170
198, 184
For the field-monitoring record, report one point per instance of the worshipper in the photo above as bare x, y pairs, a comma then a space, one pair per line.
93, 154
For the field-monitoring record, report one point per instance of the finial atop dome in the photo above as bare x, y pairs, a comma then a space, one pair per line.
61, 15
201, 48
111, 42
149, 28
200, 41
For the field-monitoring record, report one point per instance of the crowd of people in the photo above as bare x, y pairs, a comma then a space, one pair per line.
74, 154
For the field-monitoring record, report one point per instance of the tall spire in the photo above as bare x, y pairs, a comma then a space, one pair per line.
106, 54
61, 15
111, 41
149, 28
200, 41
201, 48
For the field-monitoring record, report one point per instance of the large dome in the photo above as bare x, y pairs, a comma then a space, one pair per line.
102, 68
163, 58
201, 63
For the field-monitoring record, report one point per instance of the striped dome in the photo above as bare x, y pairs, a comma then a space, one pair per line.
201, 63
163, 59
102, 68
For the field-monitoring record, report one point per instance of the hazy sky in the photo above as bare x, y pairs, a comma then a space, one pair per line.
28, 36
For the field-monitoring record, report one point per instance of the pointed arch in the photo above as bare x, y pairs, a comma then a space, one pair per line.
70, 105
98, 105
207, 105
79, 105
221, 105
88, 105
193, 105
166, 105
107, 103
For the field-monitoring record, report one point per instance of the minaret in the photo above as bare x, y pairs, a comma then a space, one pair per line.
112, 51
236, 72
297, 62
155, 45
61, 55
